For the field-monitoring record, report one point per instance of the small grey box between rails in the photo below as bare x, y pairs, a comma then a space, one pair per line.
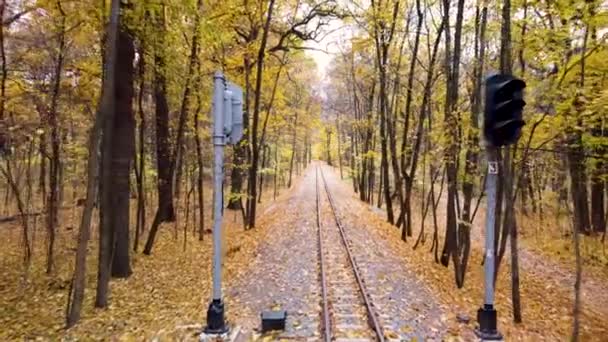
273, 320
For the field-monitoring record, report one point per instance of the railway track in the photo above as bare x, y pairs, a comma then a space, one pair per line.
347, 311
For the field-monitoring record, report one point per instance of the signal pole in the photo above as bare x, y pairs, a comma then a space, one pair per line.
501, 127
215, 313
486, 315
227, 129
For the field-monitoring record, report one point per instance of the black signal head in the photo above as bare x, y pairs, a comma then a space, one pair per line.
503, 109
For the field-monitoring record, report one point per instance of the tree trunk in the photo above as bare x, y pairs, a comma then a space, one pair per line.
353, 165
42, 151
383, 36
276, 169
451, 235
328, 146
140, 171
293, 148
55, 161
199, 178
409, 178
262, 140
451, 246
380, 186
106, 234
256, 118
339, 145
166, 212
577, 286
472, 155
235, 201
105, 108
178, 174
578, 177
598, 214
509, 221
510, 227
123, 149
371, 171
21, 207
236, 176
265, 149
3, 77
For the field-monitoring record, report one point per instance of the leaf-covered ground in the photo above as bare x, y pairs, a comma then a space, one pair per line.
547, 295
408, 307
167, 294
285, 273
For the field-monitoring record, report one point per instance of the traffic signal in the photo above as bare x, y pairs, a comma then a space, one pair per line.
503, 110
235, 132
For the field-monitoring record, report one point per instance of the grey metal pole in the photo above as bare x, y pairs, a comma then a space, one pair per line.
491, 185
215, 313
486, 316
218, 179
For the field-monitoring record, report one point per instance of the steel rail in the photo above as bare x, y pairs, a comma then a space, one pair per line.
371, 313
325, 305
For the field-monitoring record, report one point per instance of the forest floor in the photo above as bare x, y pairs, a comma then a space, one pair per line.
285, 274
168, 293
547, 260
166, 296
546, 278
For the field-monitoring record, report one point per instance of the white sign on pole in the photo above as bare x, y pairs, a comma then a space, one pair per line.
493, 168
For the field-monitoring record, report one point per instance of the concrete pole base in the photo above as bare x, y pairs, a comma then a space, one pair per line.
231, 335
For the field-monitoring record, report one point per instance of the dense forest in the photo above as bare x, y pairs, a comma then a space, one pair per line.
133, 81
408, 108
105, 129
